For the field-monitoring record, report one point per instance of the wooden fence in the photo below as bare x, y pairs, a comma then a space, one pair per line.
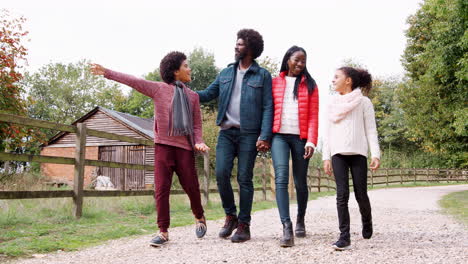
317, 179
79, 163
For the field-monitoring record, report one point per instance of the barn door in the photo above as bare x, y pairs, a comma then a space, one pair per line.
124, 179
135, 179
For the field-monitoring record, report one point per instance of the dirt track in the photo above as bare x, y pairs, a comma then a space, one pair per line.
408, 228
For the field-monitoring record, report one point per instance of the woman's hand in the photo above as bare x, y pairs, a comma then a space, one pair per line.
327, 167
375, 164
202, 147
97, 69
309, 151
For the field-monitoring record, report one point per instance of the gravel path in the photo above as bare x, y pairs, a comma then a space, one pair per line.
408, 228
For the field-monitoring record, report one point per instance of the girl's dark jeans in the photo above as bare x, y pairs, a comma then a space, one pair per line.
342, 165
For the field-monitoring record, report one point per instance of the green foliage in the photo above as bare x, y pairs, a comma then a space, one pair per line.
51, 224
435, 98
13, 138
270, 65
391, 127
203, 67
204, 72
64, 92
138, 104
12, 55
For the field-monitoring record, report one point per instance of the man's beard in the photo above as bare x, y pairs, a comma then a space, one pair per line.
238, 57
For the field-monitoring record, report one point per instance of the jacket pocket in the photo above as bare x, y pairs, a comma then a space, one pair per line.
255, 84
225, 80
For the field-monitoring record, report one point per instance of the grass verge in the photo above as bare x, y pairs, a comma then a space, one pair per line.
456, 204
46, 225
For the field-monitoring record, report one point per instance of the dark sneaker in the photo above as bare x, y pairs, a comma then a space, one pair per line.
367, 230
300, 227
342, 244
242, 233
230, 224
200, 229
159, 240
288, 237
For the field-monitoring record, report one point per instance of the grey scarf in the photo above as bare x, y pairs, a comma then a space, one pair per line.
180, 116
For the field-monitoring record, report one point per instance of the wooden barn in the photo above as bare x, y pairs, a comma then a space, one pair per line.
102, 119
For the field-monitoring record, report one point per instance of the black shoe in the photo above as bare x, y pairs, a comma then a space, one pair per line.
242, 233
288, 238
159, 240
230, 224
300, 227
367, 230
342, 244
200, 229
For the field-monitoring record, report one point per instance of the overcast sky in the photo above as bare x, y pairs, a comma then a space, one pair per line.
133, 36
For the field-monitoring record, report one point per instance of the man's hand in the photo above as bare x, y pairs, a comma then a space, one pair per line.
327, 167
263, 145
202, 147
97, 69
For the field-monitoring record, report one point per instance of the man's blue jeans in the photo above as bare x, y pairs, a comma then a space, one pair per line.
282, 145
232, 143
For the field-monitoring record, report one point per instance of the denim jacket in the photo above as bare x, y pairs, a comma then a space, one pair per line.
256, 106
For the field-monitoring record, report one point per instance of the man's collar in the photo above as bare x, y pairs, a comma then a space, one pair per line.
254, 67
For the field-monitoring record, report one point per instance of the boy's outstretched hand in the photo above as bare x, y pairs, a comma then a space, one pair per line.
97, 69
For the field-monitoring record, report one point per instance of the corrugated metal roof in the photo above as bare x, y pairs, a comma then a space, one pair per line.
141, 125
144, 125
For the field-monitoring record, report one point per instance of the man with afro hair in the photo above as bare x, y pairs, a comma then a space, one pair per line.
245, 111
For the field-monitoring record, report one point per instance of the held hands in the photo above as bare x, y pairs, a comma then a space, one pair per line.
263, 145
97, 69
375, 164
202, 147
327, 167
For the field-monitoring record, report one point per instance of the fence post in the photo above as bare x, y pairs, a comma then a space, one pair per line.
272, 178
319, 176
427, 175
415, 176
372, 178
80, 154
264, 177
401, 176
206, 172
386, 173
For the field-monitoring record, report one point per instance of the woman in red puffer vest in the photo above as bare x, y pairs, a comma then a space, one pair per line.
295, 130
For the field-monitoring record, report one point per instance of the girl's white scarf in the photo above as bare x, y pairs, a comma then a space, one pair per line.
341, 105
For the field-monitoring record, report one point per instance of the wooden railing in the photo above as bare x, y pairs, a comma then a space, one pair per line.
80, 162
317, 179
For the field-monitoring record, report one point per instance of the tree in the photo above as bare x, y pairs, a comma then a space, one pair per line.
139, 104
436, 59
270, 65
13, 138
204, 72
64, 92
391, 127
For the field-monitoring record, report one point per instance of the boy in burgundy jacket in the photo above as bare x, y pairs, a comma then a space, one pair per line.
177, 133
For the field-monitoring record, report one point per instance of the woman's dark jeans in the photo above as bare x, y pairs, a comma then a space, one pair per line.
281, 146
357, 164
